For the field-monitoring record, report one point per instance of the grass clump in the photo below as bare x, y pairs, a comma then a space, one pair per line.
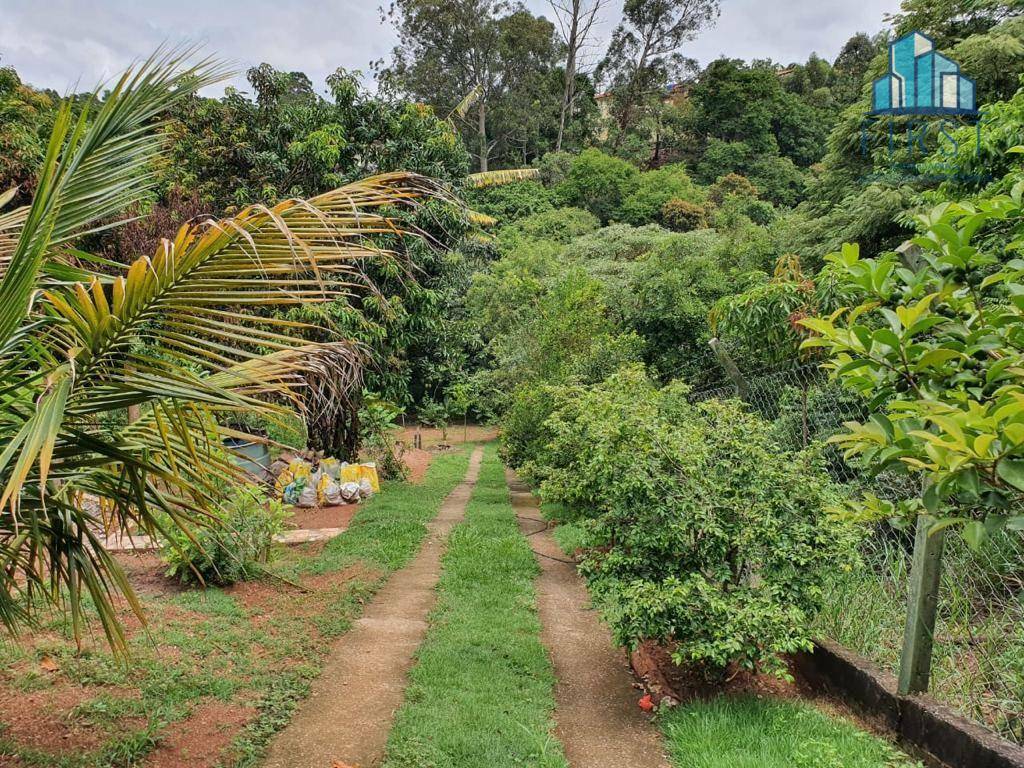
750, 732
481, 693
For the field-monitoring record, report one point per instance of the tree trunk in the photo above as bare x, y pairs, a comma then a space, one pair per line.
481, 124
568, 94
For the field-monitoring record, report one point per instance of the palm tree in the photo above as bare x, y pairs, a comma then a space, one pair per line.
189, 336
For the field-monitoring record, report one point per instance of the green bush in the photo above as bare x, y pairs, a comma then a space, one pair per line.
712, 540
682, 216
510, 202
731, 184
554, 167
779, 180
598, 183
645, 204
234, 547
561, 225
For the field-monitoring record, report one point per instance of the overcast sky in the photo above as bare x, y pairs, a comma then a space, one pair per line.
74, 44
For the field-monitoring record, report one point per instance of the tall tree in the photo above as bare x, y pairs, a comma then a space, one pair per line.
644, 56
449, 48
950, 21
575, 23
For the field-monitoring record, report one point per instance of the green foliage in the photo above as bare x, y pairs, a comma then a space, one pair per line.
554, 167
708, 537
667, 302
933, 346
768, 732
682, 215
447, 49
653, 189
598, 183
290, 141
510, 202
26, 116
377, 421
234, 547
728, 185
558, 226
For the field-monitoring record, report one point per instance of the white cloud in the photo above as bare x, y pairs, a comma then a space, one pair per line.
69, 44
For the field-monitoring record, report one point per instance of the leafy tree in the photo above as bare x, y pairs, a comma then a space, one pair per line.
644, 56
851, 66
728, 185
653, 190
597, 182
682, 215
290, 141
494, 51
950, 21
511, 202
934, 349
995, 59
26, 116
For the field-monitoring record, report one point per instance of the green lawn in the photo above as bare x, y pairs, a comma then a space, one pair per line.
748, 732
481, 693
207, 645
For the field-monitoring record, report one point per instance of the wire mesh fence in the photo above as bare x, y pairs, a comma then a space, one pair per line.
978, 652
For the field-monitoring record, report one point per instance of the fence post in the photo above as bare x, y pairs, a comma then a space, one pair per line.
742, 388
922, 606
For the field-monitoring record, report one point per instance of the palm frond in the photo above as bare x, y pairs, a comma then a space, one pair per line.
495, 178
471, 98
96, 166
189, 334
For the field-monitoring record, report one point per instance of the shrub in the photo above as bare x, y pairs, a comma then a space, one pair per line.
711, 540
554, 167
561, 225
779, 180
645, 204
761, 212
731, 184
524, 435
597, 182
682, 216
234, 547
510, 202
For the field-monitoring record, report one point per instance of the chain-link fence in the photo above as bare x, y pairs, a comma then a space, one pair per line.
978, 651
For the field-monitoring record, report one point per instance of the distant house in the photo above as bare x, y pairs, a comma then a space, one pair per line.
675, 94
921, 81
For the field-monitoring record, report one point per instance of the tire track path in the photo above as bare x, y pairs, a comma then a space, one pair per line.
598, 721
348, 715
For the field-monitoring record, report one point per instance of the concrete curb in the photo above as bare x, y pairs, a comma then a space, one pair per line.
937, 730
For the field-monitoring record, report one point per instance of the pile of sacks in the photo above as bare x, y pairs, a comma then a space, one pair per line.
325, 483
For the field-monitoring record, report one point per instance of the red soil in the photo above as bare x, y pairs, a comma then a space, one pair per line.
42, 719
201, 739
322, 517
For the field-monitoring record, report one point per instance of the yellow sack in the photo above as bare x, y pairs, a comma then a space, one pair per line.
322, 486
330, 466
353, 473
368, 471
283, 480
299, 468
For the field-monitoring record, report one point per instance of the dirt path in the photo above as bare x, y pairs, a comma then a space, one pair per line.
596, 711
349, 713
